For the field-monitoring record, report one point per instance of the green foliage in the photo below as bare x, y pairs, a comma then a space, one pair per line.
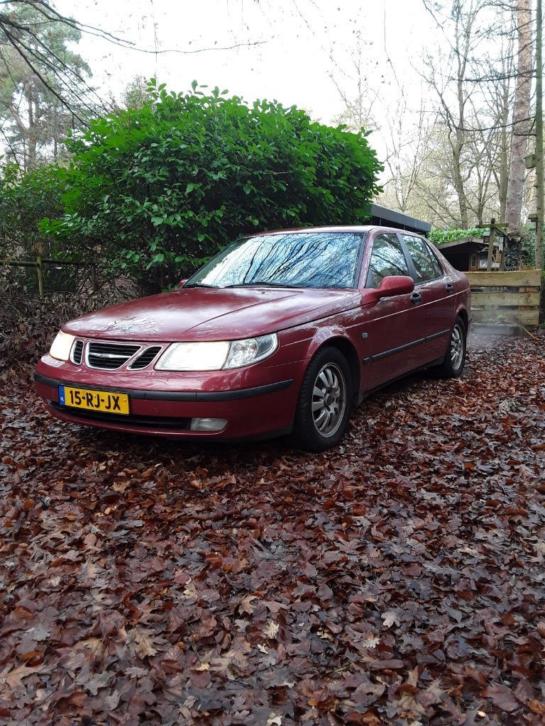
24, 201
528, 244
442, 236
159, 188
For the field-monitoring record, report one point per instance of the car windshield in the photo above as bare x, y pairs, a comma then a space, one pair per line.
301, 259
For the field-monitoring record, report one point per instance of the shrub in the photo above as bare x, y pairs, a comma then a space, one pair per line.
158, 189
24, 201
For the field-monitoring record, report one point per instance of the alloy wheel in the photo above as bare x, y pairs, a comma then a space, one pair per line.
457, 347
328, 399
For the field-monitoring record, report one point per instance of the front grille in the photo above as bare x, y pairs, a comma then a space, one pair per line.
109, 356
77, 352
162, 422
145, 358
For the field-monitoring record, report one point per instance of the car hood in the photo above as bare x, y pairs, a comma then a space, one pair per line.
212, 314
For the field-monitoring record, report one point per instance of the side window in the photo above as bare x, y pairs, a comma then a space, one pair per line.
387, 258
425, 263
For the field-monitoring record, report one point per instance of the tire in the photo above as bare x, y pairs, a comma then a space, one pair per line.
453, 365
324, 402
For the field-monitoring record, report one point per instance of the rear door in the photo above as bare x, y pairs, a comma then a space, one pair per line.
432, 311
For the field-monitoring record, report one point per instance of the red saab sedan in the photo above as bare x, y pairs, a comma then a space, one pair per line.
283, 332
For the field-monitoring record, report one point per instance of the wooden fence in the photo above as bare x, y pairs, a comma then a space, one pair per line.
48, 275
511, 297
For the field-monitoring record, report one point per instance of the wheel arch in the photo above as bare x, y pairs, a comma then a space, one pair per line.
346, 347
462, 313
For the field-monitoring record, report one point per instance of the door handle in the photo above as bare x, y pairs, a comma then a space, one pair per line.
416, 297
449, 286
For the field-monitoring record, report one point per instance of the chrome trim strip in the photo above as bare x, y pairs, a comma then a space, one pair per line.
73, 348
110, 355
126, 360
405, 346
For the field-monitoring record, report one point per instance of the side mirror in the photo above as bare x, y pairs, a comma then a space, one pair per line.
390, 287
395, 285
182, 282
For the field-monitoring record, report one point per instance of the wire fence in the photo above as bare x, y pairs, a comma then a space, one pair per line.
41, 276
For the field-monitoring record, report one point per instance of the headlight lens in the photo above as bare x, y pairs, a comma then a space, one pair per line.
61, 346
215, 356
251, 350
193, 357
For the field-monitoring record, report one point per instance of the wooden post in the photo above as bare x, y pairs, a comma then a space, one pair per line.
539, 135
40, 276
491, 241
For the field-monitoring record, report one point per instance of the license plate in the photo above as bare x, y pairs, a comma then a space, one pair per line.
103, 401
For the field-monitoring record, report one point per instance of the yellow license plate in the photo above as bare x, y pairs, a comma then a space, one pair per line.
103, 401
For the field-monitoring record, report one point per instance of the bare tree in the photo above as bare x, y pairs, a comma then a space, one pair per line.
353, 84
407, 154
450, 84
484, 97
34, 122
57, 76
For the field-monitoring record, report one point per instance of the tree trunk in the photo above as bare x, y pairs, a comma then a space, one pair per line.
521, 113
457, 147
464, 31
31, 139
503, 170
540, 183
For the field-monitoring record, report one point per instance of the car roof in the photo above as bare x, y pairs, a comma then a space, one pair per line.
358, 229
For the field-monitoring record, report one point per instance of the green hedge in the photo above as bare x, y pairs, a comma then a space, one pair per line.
443, 236
158, 189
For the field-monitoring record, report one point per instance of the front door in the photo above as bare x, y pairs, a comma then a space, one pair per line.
386, 325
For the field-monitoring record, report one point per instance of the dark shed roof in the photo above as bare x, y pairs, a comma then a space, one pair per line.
464, 245
388, 218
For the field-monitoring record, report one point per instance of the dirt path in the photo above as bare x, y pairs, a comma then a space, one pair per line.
398, 579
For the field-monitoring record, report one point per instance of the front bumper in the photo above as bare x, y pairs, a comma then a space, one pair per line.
164, 404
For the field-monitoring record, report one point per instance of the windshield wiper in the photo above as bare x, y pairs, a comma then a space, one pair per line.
263, 283
200, 284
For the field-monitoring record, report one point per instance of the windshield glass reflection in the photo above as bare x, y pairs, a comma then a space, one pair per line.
313, 259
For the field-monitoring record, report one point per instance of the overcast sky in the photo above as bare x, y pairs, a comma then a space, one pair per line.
299, 45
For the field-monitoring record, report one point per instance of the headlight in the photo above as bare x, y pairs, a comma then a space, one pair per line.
244, 352
215, 356
193, 357
61, 346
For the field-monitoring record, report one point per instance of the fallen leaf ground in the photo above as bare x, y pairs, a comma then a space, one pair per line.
399, 579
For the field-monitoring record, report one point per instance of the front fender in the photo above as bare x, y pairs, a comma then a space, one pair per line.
323, 336
313, 340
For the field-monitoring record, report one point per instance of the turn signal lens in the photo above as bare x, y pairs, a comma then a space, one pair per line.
61, 346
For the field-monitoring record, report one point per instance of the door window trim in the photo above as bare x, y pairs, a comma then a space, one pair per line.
412, 268
370, 244
435, 253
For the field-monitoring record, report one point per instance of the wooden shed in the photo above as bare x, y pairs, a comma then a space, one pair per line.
471, 254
